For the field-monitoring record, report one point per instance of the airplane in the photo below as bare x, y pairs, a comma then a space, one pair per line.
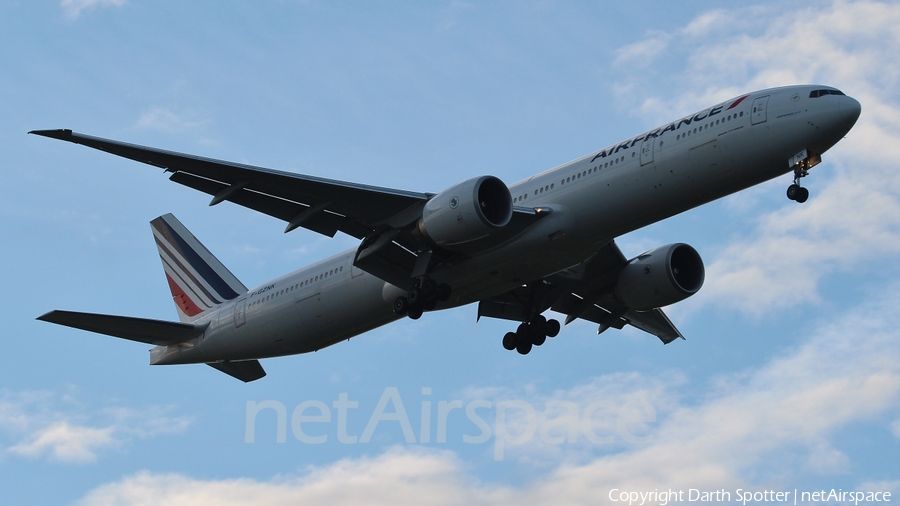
544, 243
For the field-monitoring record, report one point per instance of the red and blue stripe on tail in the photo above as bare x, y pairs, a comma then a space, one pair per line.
197, 279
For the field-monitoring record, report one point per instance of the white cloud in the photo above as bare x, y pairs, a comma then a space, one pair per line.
643, 52
396, 477
160, 118
74, 8
760, 427
66, 443
57, 427
709, 22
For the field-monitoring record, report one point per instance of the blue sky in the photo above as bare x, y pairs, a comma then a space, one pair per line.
790, 374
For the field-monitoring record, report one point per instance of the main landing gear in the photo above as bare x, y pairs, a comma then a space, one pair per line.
531, 333
424, 297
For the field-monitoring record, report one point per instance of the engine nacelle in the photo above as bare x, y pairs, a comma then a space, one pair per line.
467, 211
660, 277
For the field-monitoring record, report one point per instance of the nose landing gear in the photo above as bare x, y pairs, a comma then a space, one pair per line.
796, 192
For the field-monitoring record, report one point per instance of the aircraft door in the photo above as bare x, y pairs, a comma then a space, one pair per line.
647, 150
240, 312
758, 111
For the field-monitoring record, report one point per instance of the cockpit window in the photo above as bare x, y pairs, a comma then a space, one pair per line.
822, 93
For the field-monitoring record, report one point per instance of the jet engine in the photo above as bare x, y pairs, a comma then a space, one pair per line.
660, 277
467, 211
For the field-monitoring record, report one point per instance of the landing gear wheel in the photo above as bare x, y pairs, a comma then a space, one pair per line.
430, 304
401, 306
552, 328
429, 288
415, 311
523, 347
802, 195
538, 339
793, 191
524, 332
510, 340
415, 296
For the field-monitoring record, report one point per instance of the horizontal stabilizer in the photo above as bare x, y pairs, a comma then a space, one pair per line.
244, 370
142, 330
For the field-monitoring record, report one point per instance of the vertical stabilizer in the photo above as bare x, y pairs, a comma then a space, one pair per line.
197, 279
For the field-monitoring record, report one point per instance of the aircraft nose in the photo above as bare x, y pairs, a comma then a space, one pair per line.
850, 109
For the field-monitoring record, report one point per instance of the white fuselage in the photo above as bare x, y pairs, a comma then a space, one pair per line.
699, 158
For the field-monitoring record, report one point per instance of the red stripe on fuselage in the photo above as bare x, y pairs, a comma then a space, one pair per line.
736, 102
182, 300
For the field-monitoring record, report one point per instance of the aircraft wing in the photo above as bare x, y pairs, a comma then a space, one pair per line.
318, 204
382, 217
583, 291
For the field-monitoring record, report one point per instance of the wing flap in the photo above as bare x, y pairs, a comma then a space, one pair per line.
315, 218
607, 315
654, 322
142, 330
